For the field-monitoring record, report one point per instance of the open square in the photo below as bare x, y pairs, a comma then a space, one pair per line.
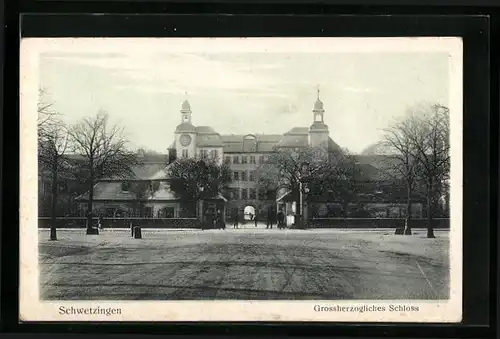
266, 179
246, 263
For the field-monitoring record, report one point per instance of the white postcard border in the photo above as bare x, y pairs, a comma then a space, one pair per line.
31, 308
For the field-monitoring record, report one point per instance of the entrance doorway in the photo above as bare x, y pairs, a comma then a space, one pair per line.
249, 213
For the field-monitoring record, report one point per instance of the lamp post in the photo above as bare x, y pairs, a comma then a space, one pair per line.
200, 203
304, 169
305, 206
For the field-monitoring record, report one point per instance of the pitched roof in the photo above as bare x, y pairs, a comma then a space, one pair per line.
372, 149
298, 130
369, 172
205, 129
209, 140
163, 193
141, 172
385, 165
154, 158
258, 137
260, 144
375, 160
333, 146
161, 174
294, 140
109, 191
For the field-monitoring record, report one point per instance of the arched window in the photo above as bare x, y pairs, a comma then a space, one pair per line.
318, 117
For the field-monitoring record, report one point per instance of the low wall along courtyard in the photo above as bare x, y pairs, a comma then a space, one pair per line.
80, 222
375, 223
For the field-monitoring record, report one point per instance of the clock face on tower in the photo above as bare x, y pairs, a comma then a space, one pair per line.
185, 140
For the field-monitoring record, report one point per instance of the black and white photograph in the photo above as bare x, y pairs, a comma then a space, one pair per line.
241, 179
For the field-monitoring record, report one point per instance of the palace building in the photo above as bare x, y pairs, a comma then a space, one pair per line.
243, 154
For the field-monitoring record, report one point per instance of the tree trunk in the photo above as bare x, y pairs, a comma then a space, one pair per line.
297, 221
408, 211
53, 232
430, 230
345, 208
298, 208
90, 201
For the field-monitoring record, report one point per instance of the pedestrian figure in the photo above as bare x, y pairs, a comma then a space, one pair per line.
99, 221
219, 220
235, 218
271, 218
281, 219
213, 218
255, 218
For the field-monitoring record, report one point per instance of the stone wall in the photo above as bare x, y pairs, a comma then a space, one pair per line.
124, 222
374, 223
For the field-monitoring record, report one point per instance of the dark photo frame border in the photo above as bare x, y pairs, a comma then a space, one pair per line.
477, 234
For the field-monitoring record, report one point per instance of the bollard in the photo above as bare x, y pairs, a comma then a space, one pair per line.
137, 232
399, 231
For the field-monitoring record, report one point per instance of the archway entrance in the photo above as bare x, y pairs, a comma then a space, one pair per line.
249, 213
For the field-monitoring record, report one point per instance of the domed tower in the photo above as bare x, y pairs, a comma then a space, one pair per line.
318, 132
185, 134
186, 112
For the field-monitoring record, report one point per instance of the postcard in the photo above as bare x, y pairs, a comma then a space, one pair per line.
241, 179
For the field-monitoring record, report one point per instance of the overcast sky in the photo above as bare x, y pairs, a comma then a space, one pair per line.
247, 92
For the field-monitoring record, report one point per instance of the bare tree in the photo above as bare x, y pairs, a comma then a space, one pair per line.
283, 169
52, 146
431, 148
104, 153
400, 162
47, 115
336, 180
288, 169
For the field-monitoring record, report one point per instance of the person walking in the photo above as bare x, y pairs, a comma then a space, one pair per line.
255, 218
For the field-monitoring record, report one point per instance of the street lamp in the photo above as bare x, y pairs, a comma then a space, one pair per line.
304, 170
200, 206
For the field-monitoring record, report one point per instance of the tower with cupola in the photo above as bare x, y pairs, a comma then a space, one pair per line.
318, 131
185, 134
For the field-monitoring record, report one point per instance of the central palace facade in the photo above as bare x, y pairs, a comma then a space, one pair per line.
243, 154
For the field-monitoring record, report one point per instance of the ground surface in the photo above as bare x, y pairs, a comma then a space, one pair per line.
247, 263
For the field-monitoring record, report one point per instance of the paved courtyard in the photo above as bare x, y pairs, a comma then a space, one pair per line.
246, 263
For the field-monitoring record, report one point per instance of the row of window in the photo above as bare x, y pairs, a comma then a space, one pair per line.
204, 154
245, 193
235, 159
244, 176
245, 159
